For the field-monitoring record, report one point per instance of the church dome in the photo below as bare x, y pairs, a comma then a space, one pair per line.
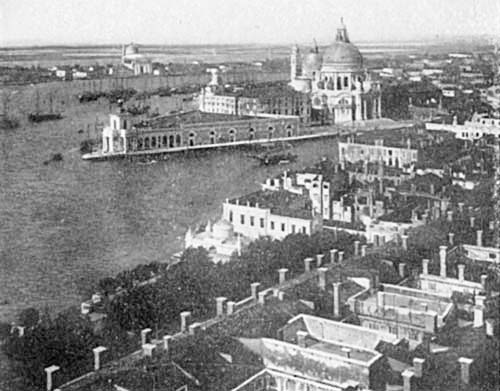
342, 54
131, 49
312, 62
222, 230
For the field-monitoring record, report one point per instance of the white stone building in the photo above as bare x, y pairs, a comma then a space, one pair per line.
135, 61
340, 88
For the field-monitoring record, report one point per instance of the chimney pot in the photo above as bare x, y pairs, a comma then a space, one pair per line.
333, 253
465, 369
185, 320
307, 264
461, 269
282, 275
425, 266
442, 260
479, 238
322, 277
336, 299
404, 242
301, 338
255, 287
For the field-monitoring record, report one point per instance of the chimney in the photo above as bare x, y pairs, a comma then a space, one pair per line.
301, 338
148, 350
484, 281
194, 328
167, 342
144, 336
479, 238
402, 269
418, 366
319, 259
85, 308
404, 242
472, 221
465, 369
478, 316
431, 188
282, 275
490, 327
451, 235
336, 299
341, 256
356, 248
425, 266
262, 297
50, 371
461, 269
333, 253
322, 277
449, 215
380, 299
185, 320
442, 261
281, 295
254, 288
408, 380
97, 356
461, 207
363, 250
307, 264
347, 352
219, 305
230, 307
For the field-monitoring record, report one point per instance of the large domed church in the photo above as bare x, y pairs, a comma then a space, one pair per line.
340, 88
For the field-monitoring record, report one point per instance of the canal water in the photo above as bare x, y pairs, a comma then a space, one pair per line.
67, 224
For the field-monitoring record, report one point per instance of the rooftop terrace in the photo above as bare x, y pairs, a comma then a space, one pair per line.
280, 203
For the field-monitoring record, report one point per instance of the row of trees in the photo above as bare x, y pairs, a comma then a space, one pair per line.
134, 300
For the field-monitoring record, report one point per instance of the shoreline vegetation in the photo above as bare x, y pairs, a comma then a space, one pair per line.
148, 295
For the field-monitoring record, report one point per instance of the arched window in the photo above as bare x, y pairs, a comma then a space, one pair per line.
232, 135
251, 134
270, 132
153, 142
139, 143
339, 83
289, 131
146, 143
164, 141
212, 137
171, 142
191, 139
346, 82
178, 140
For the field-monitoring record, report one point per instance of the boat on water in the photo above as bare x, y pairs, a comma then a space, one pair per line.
275, 153
37, 116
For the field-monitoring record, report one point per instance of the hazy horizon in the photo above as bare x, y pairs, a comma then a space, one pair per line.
230, 22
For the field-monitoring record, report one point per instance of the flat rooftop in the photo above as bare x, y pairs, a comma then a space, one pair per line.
281, 202
192, 117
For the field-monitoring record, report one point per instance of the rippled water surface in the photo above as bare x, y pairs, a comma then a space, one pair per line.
66, 224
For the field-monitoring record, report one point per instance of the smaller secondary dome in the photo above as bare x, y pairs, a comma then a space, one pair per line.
222, 230
131, 49
312, 62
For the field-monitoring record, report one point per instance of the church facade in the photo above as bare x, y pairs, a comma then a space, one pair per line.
341, 90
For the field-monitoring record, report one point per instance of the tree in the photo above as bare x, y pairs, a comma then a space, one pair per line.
29, 317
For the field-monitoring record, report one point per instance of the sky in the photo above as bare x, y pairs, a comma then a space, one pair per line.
42, 22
